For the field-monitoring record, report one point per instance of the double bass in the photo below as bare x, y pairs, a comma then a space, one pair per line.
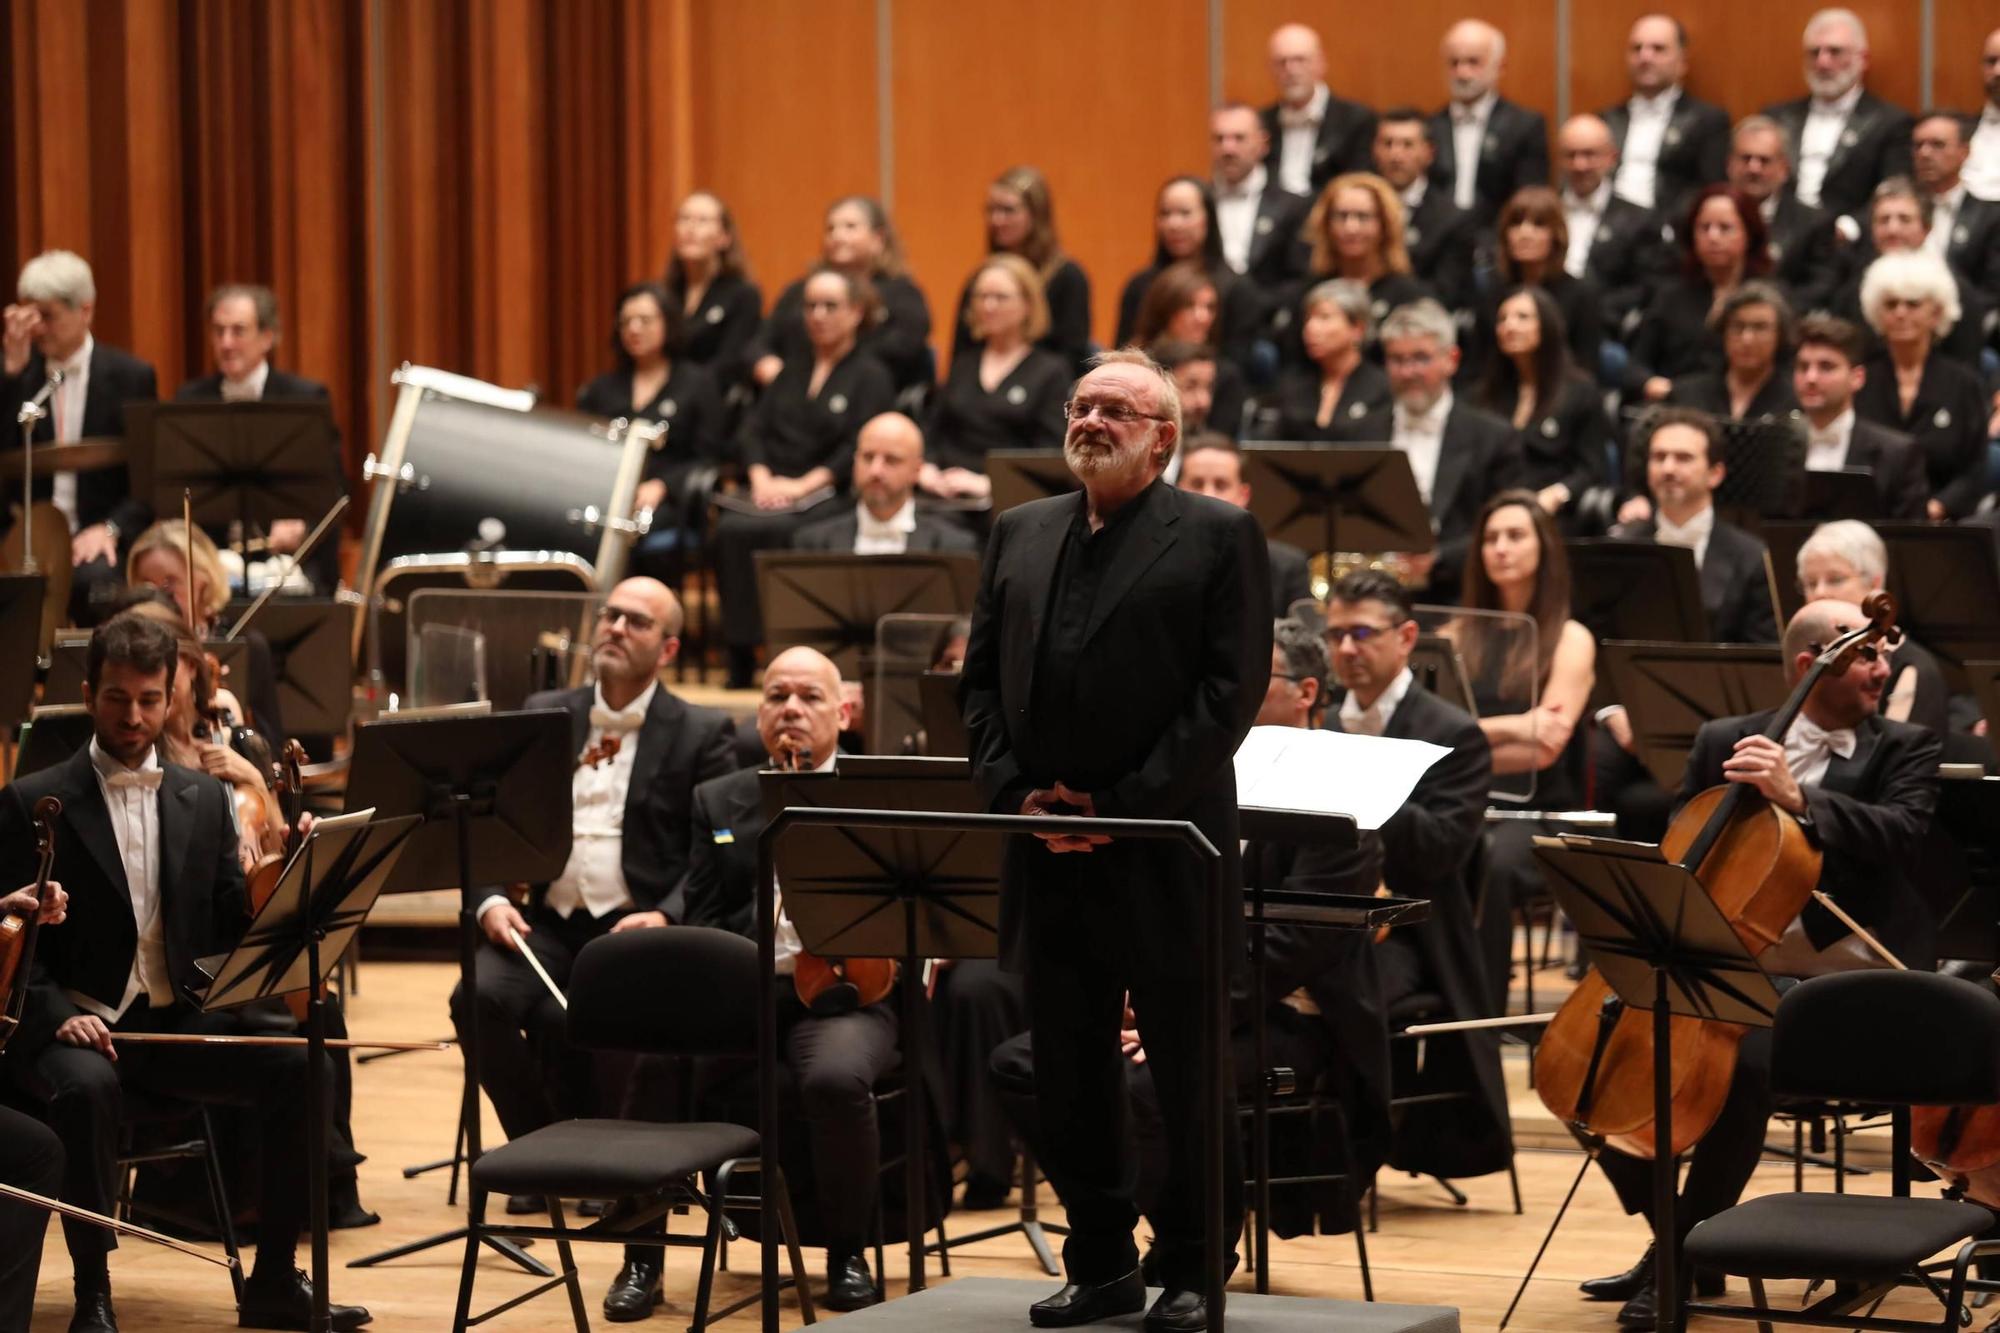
1594, 1064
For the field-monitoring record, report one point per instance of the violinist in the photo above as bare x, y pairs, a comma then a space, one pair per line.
1863, 787
625, 865
147, 850
31, 1158
160, 559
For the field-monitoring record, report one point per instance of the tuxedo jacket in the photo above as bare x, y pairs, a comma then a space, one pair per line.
1346, 140
1514, 153
1291, 577
1898, 466
203, 906
1627, 260
1805, 251
1868, 817
1735, 581
679, 746
1170, 671
1481, 455
838, 533
1278, 252
719, 888
1441, 238
1973, 248
1694, 151
116, 378
1874, 145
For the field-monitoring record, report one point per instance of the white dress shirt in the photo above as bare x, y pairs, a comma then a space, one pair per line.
1693, 534
1944, 216
1468, 135
66, 405
1374, 719
250, 388
1422, 438
1413, 198
1583, 214
1236, 217
132, 799
1826, 448
1298, 140
874, 536
1809, 752
1819, 140
1645, 133
1981, 173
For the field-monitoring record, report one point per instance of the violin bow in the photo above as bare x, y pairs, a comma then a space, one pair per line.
112, 1224
187, 536
305, 547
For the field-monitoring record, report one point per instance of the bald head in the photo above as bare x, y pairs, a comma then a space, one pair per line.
1990, 66
802, 712
1836, 701
1298, 63
888, 457
638, 632
1585, 153
1474, 53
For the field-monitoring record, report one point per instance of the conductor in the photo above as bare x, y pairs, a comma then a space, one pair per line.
1120, 648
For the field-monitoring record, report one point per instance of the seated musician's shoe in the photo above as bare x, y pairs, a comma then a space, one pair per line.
1642, 1311
634, 1293
1622, 1286
286, 1302
593, 1207
343, 1206
521, 1205
93, 1312
984, 1192
1178, 1310
848, 1286
1085, 1303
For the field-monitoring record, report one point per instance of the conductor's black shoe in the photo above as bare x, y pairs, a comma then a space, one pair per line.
634, 1293
848, 1286
520, 1205
1084, 1303
94, 1313
1178, 1310
286, 1302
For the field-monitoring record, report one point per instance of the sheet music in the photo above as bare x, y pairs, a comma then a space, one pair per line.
1331, 772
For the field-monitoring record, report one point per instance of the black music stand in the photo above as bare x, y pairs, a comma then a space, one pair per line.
312, 643
1337, 497
944, 724
1670, 689
244, 465
1959, 875
832, 601
53, 733
324, 894
20, 623
496, 792
1636, 590
1662, 945
1847, 492
1946, 583
1436, 663
69, 662
1021, 475
1766, 461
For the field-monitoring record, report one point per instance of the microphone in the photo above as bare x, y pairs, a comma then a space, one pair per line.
32, 410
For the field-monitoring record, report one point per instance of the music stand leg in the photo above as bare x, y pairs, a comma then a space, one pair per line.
1260, 1237
1666, 1228
913, 1114
321, 1317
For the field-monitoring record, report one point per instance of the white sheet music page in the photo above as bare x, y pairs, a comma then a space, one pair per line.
1331, 772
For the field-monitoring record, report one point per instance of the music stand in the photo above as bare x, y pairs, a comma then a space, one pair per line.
1021, 475
1959, 875
1338, 497
1662, 945
1847, 492
496, 792
244, 465
53, 733
311, 652
20, 623
1636, 590
1766, 461
944, 724
1670, 689
69, 663
1436, 663
832, 601
1946, 583
323, 895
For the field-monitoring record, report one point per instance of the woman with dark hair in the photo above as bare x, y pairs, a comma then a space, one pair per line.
797, 447
1182, 307
1557, 412
654, 382
859, 241
1531, 692
1723, 245
1533, 237
1757, 330
1004, 391
1184, 230
1021, 220
1328, 399
708, 280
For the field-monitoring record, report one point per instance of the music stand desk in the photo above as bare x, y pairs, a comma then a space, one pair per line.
1021, 475
1637, 590
1337, 497
832, 600
241, 463
1670, 689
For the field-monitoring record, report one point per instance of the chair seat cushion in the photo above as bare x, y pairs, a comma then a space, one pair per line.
1835, 1236
608, 1159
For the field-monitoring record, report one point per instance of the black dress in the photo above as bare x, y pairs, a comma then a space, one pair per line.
1290, 412
687, 404
1672, 339
900, 340
1947, 419
1067, 291
1581, 302
1024, 411
720, 329
1239, 318
1565, 442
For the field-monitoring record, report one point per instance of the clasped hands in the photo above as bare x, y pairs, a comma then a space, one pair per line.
1044, 800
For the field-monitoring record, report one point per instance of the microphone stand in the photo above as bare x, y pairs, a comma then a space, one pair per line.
32, 412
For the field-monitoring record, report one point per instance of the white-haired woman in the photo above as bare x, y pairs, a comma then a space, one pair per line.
1846, 560
1911, 302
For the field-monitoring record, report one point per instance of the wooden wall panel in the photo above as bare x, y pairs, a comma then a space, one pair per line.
1104, 150
1962, 26
1743, 56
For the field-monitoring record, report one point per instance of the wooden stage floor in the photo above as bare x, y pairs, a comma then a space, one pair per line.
1427, 1251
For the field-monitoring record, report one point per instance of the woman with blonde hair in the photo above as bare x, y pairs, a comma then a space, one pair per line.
859, 242
1021, 220
159, 559
708, 280
1005, 389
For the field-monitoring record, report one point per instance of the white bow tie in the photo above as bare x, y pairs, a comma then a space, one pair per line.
1807, 735
144, 779
616, 721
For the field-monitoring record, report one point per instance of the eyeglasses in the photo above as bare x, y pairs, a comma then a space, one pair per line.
1361, 634
1121, 414
1867, 652
634, 621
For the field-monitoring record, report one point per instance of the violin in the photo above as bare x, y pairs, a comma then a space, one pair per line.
1594, 1064
828, 986
19, 929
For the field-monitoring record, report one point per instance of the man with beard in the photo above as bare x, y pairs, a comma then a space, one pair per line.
624, 871
1120, 649
1487, 146
1982, 166
1844, 139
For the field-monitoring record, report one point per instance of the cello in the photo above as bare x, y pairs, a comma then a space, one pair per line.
1594, 1064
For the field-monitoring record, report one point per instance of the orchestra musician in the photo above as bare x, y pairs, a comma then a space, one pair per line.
1121, 644
1863, 787
148, 853
159, 559
31, 1158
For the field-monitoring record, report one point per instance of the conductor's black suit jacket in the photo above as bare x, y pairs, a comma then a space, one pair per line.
204, 910
1174, 660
